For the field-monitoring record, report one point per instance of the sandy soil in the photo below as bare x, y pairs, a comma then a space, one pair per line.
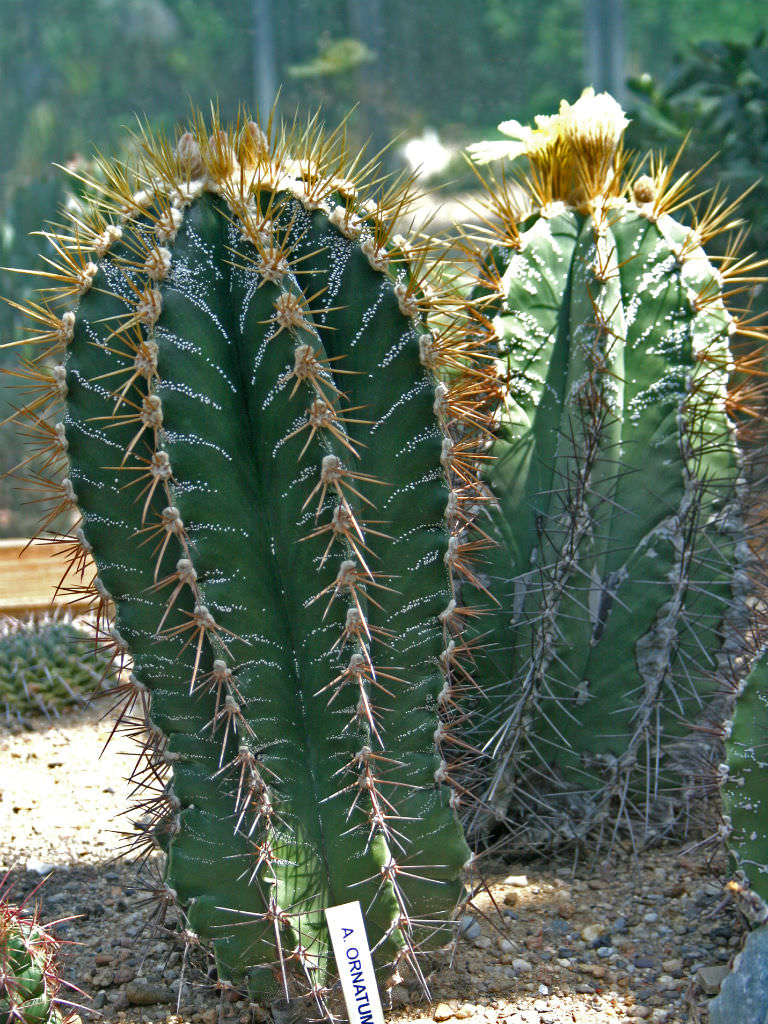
645, 939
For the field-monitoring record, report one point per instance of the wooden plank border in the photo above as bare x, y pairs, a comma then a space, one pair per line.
30, 575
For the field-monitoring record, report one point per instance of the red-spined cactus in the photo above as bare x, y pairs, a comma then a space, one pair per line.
30, 982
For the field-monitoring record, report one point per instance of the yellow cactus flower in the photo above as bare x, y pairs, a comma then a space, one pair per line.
573, 155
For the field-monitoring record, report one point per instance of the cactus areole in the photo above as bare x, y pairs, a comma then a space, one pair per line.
258, 458
621, 570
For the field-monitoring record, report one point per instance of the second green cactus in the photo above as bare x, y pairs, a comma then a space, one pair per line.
621, 575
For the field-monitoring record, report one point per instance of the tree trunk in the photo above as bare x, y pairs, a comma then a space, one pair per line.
366, 24
264, 74
605, 46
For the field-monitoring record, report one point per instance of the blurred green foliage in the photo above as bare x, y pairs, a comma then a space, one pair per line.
716, 99
87, 71
74, 75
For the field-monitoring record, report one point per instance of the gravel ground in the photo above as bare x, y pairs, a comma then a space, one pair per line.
646, 939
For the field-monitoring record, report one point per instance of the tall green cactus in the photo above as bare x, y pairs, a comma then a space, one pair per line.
260, 458
620, 574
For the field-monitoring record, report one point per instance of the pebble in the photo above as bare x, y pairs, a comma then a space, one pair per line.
590, 932
141, 992
400, 996
469, 928
99, 1000
482, 942
560, 927
709, 979
521, 965
708, 892
40, 867
103, 979
443, 1012
523, 1017
124, 975
519, 881
57, 897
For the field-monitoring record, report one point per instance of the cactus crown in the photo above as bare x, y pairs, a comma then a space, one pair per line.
275, 489
574, 156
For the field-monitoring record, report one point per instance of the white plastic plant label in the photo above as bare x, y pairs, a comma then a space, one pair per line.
353, 959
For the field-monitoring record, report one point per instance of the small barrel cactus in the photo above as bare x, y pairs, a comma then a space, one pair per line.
243, 408
29, 979
47, 664
617, 596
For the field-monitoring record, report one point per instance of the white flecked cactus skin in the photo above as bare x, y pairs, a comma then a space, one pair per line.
273, 485
623, 578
